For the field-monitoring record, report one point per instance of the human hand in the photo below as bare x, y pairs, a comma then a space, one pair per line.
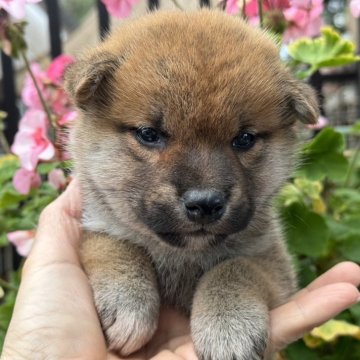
55, 317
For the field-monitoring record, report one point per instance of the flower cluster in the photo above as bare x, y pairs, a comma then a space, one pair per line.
42, 129
293, 18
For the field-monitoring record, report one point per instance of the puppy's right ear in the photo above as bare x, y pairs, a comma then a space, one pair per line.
302, 102
89, 81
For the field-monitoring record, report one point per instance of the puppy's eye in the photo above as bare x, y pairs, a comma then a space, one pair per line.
244, 141
149, 136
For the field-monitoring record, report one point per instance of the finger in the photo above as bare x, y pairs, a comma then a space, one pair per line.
174, 344
167, 355
187, 351
59, 232
347, 272
70, 199
291, 320
171, 324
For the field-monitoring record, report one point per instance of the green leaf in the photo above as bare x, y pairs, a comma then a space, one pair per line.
312, 189
9, 196
306, 231
344, 228
350, 248
6, 309
3, 240
45, 168
355, 129
299, 351
328, 50
327, 139
355, 312
15, 33
345, 201
323, 157
8, 165
289, 194
306, 271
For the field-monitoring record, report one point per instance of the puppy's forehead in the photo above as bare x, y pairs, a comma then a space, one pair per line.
197, 71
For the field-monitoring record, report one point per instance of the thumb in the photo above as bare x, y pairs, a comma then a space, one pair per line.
59, 232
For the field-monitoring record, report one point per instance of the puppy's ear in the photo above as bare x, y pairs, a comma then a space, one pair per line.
302, 102
88, 81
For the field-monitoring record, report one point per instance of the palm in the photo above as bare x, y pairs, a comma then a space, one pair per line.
171, 337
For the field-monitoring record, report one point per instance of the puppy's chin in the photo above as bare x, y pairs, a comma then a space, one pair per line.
197, 240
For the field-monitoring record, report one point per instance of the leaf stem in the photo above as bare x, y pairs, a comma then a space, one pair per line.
261, 14
42, 100
4, 143
352, 166
7, 285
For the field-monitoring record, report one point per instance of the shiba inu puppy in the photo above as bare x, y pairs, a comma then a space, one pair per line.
185, 136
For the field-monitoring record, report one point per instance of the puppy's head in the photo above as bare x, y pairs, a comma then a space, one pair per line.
186, 127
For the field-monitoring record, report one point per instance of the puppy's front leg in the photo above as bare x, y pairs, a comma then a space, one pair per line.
230, 312
125, 291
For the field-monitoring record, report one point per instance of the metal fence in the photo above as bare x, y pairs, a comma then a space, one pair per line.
8, 102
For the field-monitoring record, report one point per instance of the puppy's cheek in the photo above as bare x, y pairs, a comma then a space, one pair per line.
238, 218
159, 208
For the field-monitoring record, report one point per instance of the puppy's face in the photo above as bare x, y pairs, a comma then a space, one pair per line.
186, 126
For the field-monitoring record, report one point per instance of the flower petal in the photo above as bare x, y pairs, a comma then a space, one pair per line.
22, 240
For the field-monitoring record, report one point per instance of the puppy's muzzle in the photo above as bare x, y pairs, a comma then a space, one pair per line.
204, 206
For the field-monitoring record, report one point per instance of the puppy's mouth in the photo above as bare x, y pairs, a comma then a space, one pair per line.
194, 239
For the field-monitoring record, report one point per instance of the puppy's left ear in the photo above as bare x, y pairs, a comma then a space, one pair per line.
89, 81
302, 103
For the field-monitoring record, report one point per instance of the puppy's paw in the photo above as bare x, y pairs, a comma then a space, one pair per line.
128, 317
230, 336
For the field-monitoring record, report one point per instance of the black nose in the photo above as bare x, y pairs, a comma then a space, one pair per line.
204, 206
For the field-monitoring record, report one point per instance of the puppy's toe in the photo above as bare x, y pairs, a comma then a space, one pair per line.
128, 319
229, 339
129, 332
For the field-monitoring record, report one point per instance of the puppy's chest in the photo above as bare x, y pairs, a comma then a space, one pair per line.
177, 282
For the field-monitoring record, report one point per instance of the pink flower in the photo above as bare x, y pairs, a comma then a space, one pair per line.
232, 7
29, 94
31, 143
278, 4
22, 240
56, 69
25, 180
304, 19
253, 11
355, 8
321, 123
50, 86
57, 178
59, 101
68, 118
120, 8
16, 8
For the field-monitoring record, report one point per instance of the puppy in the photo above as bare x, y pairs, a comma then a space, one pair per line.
185, 136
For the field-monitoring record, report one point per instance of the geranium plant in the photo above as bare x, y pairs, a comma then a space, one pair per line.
320, 206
